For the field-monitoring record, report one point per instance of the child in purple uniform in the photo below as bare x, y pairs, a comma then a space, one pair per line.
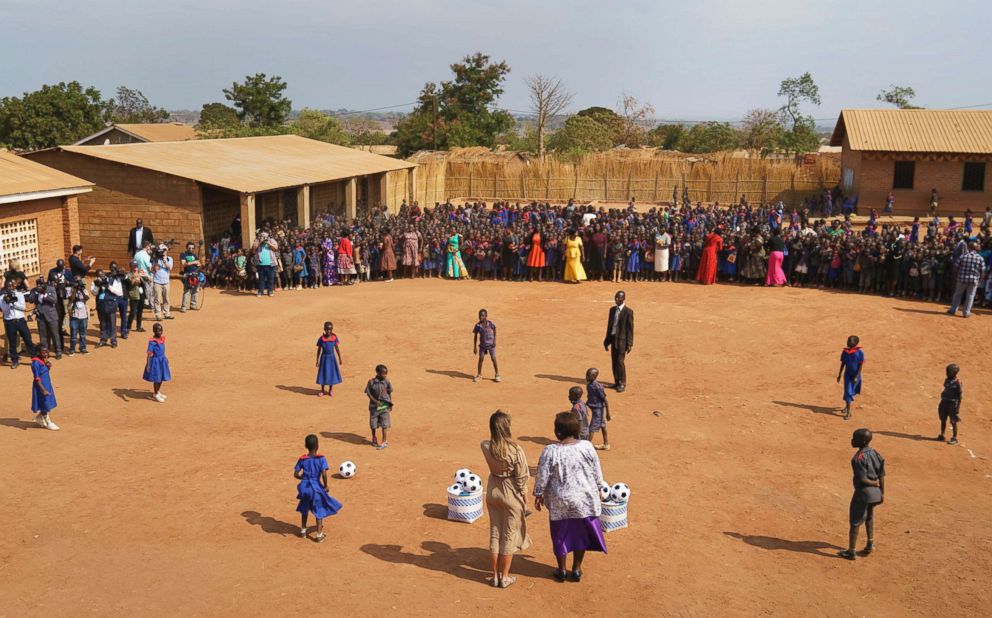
852, 359
328, 373
311, 470
599, 408
43, 393
157, 365
580, 411
484, 342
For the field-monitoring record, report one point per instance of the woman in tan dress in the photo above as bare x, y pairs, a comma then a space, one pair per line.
506, 497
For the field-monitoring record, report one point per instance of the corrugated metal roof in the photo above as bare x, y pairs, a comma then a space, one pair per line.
916, 130
248, 164
160, 131
21, 176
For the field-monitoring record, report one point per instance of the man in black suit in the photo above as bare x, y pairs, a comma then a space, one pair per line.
619, 339
139, 234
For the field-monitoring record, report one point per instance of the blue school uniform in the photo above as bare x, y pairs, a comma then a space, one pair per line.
852, 358
157, 367
42, 378
311, 494
328, 373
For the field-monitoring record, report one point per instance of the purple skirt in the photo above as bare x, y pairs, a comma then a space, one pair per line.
568, 535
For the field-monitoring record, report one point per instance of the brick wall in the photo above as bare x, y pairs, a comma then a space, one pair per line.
220, 207
327, 197
874, 182
70, 223
51, 228
169, 205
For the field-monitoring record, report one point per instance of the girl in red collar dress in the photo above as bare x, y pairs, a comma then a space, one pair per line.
157, 365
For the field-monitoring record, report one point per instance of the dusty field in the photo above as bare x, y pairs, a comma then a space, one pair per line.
740, 483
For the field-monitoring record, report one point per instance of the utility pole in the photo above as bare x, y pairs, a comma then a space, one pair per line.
435, 122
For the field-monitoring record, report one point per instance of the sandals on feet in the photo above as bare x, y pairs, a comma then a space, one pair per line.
319, 538
507, 581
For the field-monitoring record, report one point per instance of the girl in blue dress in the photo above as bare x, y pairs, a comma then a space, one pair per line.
851, 361
42, 393
311, 469
328, 372
157, 365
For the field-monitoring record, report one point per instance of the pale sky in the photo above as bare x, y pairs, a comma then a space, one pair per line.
704, 59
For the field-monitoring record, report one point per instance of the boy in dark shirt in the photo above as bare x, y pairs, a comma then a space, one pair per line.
950, 403
484, 342
580, 411
599, 408
869, 491
380, 394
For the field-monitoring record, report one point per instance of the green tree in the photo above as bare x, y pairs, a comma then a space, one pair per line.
800, 135
131, 106
56, 114
613, 122
900, 96
217, 116
317, 125
710, 137
259, 100
579, 135
463, 109
666, 136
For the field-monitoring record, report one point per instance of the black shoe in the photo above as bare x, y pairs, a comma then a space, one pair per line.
58, 356
169, 317
576, 576
559, 575
939, 438
621, 388
84, 351
848, 554
139, 330
113, 344
123, 337
869, 547
15, 364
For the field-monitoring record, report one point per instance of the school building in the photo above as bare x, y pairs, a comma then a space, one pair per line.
140, 134
194, 190
39, 217
910, 152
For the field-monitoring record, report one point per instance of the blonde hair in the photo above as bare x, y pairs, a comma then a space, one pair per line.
501, 445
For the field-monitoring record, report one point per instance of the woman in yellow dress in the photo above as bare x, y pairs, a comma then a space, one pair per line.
573, 258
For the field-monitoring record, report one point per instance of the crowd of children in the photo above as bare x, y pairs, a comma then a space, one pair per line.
518, 242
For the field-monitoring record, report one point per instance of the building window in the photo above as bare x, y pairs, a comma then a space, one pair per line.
848, 179
19, 241
974, 177
902, 178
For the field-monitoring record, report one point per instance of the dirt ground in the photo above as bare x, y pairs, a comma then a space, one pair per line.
728, 436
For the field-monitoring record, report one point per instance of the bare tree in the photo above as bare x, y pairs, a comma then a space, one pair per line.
635, 115
548, 98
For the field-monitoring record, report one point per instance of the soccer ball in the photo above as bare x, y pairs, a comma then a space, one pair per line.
347, 469
473, 484
620, 492
456, 489
604, 492
462, 475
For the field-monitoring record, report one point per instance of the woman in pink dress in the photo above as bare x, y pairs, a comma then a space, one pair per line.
776, 254
535, 259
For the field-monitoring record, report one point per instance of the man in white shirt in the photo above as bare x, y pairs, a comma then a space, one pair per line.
107, 290
143, 258
16, 327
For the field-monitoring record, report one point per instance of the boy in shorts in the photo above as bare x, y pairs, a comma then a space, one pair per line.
869, 491
950, 403
599, 408
580, 411
484, 342
380, 394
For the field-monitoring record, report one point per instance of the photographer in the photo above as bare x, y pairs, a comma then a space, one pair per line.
79, 315
12, 305
106, 291
60, 278
144, 260
264, 257
78, 265
161, 270
116, 274
14, 272
46, 302
190, 262
136, 280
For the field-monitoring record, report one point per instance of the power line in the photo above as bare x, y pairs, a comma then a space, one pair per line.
376, 109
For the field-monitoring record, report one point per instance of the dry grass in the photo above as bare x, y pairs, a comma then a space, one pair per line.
645, 174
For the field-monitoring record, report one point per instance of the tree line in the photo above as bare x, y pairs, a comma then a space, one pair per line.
460, 111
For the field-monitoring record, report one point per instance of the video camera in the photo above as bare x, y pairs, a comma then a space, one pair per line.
157, 251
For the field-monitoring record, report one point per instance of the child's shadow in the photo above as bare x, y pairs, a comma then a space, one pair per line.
556, 378
812, 408
451, 374
468, 563
127, 394
270, 524
299, 390
17, 423
536, 440
775, 544
350, 438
